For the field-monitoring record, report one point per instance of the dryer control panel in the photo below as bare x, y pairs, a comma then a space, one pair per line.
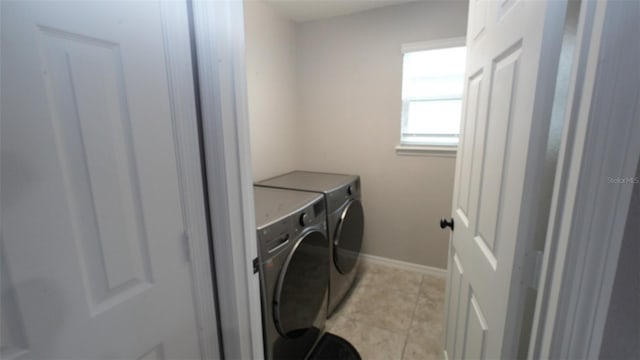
278, 235
338, 197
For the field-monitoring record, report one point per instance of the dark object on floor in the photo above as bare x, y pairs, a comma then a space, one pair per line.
333, 347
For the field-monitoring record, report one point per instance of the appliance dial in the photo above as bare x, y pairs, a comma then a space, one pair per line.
305, 219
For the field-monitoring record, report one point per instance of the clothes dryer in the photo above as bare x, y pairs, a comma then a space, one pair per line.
345, 222
293, 253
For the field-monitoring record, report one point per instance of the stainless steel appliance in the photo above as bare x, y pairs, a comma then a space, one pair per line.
345, 222
293, 258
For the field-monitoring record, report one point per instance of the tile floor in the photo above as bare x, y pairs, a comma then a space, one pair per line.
392, 314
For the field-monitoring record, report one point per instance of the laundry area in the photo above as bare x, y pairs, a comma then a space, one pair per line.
319, 179
334, 187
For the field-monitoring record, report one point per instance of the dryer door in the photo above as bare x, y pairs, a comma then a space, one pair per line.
348, 237
302, 286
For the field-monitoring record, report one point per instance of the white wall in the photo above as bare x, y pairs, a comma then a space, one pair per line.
270, 57
349, 87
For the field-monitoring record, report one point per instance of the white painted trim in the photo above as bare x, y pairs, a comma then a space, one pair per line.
581, 55
175, 31
403, 265
219, 37
532, 187
427, 148
434, 44
589, 214
431, 151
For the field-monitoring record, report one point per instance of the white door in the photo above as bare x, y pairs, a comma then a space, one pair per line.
513, 49
93, 261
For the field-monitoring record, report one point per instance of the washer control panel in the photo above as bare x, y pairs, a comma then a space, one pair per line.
279, 234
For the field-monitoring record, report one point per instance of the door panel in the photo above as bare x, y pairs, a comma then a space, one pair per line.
476, 332
472, 108
93, 138
479, 9
497, 135
92, 221
454, 309
466, 340
512, 57
463, 307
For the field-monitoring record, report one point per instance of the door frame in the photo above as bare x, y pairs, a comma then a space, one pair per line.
584, 158
588, 214
218, 39
175, 19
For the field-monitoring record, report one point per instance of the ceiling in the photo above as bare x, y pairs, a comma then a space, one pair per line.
308, 10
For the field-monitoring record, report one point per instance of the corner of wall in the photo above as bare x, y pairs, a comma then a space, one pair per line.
271, 89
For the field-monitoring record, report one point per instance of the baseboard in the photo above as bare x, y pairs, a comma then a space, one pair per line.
423, 269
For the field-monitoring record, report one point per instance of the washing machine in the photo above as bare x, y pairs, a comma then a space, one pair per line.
293, 255
345, 222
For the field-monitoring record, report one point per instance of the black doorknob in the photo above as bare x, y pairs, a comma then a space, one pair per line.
445, 224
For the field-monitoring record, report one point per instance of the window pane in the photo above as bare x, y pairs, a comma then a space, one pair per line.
432, 87
436, 117
441, 87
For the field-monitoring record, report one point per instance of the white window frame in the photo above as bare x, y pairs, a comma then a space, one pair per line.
447, 150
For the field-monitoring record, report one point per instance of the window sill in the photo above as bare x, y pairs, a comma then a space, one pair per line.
427, 150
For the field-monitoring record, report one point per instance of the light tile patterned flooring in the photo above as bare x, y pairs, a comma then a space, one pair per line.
392, 314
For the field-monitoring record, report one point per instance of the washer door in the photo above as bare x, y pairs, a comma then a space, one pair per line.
302, 286
348, 237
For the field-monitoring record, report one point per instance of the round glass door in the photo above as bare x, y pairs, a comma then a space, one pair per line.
302, 286
348, 237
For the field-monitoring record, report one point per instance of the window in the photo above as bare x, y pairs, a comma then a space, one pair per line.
432, 83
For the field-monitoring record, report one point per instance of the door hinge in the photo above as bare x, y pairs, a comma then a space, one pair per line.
256, 265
